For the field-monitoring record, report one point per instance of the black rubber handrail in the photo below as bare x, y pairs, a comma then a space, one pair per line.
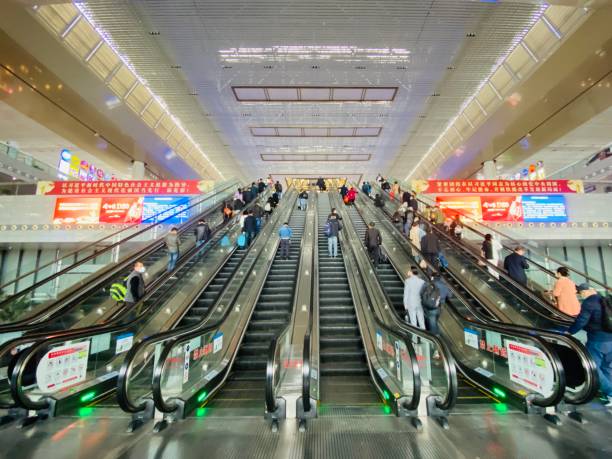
95, 254
530, 333
405, 337
158, 398
516, 243
449, 362
270, 363
127, 367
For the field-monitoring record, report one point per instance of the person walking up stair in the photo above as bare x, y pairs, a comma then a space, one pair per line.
285, 234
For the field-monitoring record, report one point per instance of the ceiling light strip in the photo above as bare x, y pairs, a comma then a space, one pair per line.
519, 40
84, 13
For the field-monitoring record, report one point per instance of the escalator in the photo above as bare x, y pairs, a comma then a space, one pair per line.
211, 265
243, 392
393, 284
345, 377
209, 297
479, 301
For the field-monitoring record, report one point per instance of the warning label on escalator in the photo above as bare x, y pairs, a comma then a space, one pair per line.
62, 367
529, 367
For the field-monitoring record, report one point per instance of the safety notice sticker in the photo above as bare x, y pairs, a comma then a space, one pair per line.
62, 366
217, 342
471, 337
529, 367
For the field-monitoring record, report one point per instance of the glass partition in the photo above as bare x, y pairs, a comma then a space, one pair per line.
86, 257
41, 296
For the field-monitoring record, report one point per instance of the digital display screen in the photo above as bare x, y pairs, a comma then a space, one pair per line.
544, 208
165, 206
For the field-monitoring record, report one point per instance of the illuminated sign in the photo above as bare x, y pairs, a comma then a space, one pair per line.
544, 208
70, 165
511, 208
77, 211
157, 208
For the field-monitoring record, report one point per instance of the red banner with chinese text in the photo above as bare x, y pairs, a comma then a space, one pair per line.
124, 188
480, 187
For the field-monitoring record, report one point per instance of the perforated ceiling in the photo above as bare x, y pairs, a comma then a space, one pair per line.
191, 53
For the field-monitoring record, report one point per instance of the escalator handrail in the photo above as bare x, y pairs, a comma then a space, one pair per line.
591, 378
128, 363
57, 337
448, 360
557, 366
406, 338
158, 397
556, 314
271, 359
516, 243
73, 296
53, 276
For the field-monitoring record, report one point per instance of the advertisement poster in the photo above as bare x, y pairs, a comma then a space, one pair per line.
501, 208
545, 208
529, 367
76, 211
515, 208
497, 186
163, 207
465, 205
124, 343
121, 210
62, 367
123, 187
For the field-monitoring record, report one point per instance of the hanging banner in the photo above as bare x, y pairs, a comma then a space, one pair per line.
497, 186
124, 187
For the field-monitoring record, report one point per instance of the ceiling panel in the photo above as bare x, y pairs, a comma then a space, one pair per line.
386, 58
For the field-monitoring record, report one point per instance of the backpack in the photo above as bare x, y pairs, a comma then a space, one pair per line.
606, 314
430, 296
241, 241
328, 229
118, 290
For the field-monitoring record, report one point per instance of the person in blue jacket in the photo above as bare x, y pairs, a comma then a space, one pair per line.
599, 342
285, 234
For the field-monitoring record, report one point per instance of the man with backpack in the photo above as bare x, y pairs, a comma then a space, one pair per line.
413, 285
258, 213
373, 240
433, 296
134, 285
332, 230
202, 233
596, 319
303, 200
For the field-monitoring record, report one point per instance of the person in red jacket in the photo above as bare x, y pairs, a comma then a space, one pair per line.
351, 196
